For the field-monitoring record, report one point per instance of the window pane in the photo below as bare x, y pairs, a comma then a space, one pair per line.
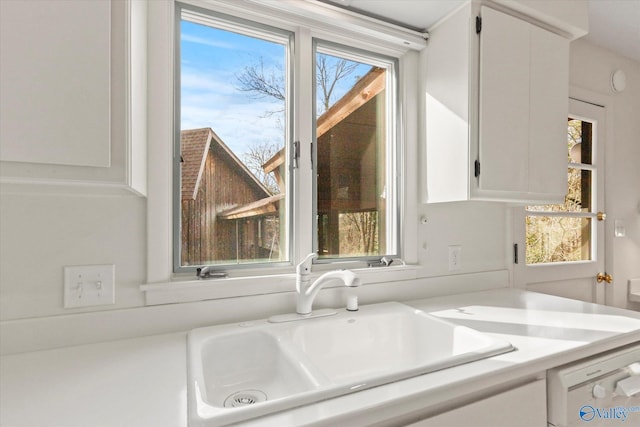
579, 138
353, 203
233, 131
557, 239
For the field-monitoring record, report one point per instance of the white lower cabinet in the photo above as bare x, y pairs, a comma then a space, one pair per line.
523, 406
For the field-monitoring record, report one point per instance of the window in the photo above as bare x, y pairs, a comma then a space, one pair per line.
233, 122
240, 167
354, 135
563, 233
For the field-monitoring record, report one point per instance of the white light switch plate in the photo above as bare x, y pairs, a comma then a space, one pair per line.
87, 285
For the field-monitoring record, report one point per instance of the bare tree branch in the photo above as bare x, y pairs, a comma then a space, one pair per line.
259, 84
257, 156
329, 74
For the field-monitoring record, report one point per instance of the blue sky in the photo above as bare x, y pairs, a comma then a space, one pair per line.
211, 59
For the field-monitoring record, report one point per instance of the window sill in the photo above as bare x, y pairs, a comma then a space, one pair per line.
181, 291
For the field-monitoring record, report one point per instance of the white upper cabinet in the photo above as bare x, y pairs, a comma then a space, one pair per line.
496, 109
73, 105
55, 85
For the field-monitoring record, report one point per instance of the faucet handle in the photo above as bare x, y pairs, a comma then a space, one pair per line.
305, 266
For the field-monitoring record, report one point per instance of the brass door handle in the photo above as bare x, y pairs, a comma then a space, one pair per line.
601, 216
604, 278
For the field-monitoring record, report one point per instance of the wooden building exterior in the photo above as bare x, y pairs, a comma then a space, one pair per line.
351, 168
228, 215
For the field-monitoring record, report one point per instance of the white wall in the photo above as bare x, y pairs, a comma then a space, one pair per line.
478, 227
590, 69
46, 227
42, 232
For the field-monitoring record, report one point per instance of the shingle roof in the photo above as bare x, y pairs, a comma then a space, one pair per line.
194, 145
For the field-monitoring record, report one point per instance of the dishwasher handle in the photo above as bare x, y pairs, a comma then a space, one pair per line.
628, 386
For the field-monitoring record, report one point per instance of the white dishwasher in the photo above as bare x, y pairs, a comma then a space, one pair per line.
603, 390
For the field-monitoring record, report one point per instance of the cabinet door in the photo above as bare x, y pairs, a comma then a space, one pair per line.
504, 102
55, 81
73, 104
524, 406
549, 104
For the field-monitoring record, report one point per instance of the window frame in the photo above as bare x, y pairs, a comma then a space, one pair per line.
249, 28
300, 207
393, 154
162, 285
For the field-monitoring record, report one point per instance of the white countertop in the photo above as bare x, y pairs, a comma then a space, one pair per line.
142, 381
134, 382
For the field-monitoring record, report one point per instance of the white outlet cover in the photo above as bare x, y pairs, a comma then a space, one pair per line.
455, 257
89, 285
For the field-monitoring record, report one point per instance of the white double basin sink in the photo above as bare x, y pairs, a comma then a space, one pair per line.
240, 371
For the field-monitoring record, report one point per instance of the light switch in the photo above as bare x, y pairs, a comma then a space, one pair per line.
87, 285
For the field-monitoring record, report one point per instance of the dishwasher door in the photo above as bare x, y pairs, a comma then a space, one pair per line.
600, 391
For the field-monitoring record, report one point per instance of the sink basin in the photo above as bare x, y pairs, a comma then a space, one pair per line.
241, 371
253, 360
351, 349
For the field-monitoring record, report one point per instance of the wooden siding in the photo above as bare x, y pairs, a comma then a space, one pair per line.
351, 177
207, 239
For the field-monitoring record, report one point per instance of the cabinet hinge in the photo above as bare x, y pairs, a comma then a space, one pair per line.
476, 167
515, 253
478, 24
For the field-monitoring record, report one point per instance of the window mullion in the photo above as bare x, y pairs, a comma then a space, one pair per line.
562, 214
303, 131
582, 166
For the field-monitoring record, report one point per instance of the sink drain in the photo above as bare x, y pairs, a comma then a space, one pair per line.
244, 398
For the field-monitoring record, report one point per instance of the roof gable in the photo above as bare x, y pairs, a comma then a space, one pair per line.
195, 144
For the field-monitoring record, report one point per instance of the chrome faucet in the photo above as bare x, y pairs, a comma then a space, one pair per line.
307, 291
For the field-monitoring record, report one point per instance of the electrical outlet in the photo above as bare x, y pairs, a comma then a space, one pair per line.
87, 285
455, 257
